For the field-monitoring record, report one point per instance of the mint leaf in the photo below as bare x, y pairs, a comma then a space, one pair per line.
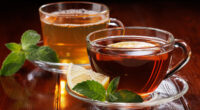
112, 87
31, 52
96, 91
13, 62
91, 89
26, 50
125, 96
112, 97
29, 37
45, 53
14, 46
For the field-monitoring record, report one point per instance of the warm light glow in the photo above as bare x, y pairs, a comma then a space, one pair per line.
64, 61
60, 44
63, 94
56, 97
62, 87
60, 100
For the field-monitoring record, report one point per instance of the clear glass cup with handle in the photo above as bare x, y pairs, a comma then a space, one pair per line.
65, 26
140, 56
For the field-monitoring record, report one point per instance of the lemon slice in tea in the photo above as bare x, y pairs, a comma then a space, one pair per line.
142, 54
77, 74
131, 44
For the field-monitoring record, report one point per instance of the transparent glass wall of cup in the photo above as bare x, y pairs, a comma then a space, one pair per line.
144, 64
65, 26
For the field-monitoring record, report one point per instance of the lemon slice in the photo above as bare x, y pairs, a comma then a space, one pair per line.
77, 74
131, 44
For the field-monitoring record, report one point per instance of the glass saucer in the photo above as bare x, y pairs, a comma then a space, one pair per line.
169, 91
54, 67
166, 96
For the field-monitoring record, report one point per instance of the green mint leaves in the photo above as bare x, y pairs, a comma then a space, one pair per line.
29, 50
12, 63
13, 46
45, 53
112, 87
91, 89
96, 91
30, 37
124, 96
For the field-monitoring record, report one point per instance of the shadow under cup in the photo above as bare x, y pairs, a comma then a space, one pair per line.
144, 64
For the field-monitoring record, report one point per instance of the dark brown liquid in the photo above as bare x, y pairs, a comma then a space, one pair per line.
139, 71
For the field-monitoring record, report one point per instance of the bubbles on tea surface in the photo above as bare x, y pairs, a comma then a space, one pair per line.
75, 17
74, 12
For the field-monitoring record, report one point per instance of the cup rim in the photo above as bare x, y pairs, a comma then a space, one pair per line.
73, 2
169, 43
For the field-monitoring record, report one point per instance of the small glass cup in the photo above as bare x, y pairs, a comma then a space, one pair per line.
65, 26
142, 66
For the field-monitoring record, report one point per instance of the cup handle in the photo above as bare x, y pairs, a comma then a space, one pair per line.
186, 52
115, 23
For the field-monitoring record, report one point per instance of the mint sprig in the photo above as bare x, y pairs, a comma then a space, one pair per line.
91, 89
13, 46
29, 37
12, 63
125, 96
27, 50
112, 87
94, 90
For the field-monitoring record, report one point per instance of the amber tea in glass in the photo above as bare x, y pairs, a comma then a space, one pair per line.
140, 56
65, 26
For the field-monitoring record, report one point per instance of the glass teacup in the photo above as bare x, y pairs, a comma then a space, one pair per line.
140, 56
65, 26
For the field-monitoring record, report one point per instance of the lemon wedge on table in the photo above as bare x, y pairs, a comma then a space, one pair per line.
77, 74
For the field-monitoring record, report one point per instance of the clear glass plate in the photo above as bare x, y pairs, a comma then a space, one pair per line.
168, 91
164, 97
54, 67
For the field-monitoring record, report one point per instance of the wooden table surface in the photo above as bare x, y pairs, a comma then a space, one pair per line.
34, 89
